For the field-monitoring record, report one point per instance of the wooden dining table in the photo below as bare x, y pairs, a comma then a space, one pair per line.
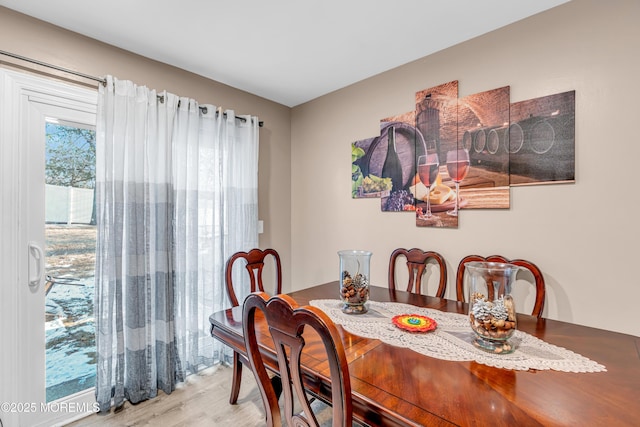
396, 386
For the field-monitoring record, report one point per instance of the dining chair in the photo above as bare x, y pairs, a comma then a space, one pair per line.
417, 260
287, 322
538, 306
255, 262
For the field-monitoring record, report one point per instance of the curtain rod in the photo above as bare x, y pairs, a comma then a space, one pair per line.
55, 67
101, 80
204, 111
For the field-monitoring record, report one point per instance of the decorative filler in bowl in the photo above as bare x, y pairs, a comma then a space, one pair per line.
354, 280
414, 322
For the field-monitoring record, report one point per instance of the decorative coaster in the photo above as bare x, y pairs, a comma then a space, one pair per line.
414, 322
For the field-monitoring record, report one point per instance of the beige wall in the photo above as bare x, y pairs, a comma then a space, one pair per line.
35, 39
584, 236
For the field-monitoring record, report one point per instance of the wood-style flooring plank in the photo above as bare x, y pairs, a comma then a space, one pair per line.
202, 401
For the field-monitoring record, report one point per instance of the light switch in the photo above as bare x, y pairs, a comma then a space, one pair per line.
260, 226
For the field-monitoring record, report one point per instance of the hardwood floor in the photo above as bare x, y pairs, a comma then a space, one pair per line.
203, 401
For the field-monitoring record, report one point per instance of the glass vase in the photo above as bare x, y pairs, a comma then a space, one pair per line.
354, 280
492, 312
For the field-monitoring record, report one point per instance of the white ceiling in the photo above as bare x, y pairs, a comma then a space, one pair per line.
288, 51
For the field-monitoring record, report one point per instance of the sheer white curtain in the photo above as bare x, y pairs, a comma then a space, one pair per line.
176, 196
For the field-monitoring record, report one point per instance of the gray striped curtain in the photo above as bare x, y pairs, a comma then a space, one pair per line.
176, 196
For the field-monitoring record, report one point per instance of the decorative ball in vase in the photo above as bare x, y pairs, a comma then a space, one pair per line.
354, 280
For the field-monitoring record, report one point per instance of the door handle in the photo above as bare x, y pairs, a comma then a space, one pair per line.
38, 256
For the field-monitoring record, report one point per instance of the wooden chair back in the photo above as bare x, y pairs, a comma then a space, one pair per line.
287, 321
417, 260
538, 306
255, 259
255, 262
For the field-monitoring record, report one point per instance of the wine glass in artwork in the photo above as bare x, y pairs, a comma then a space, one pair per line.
428, 166
457, 167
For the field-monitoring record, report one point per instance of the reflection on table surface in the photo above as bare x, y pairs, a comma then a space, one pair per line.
397, 386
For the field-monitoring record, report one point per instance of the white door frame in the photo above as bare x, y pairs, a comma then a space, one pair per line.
25, 101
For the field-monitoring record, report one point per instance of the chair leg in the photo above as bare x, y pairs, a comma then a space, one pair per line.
235, 381
276, 382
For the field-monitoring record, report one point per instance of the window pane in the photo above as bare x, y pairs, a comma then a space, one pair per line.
70, 235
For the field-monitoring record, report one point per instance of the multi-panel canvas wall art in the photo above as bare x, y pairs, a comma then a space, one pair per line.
452, 154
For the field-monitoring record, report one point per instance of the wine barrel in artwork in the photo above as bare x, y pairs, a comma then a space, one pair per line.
528, 133
543, 147
467, 140
483, 144
409, 143
497, 139
476, 139
542, 137
516, 138
479, 140
537, 134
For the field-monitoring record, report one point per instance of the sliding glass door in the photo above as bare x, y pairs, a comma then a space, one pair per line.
47, 147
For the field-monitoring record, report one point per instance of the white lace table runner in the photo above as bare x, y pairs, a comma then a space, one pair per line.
453, 338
